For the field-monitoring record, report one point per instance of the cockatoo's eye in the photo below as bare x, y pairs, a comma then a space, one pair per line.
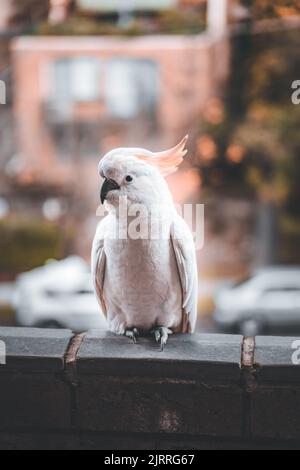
129, 179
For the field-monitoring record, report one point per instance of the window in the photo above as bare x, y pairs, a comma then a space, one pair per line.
131, 87
76, 79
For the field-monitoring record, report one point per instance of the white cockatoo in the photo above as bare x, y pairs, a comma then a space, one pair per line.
144, 283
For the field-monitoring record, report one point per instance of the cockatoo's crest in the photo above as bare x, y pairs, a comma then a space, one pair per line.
167, 161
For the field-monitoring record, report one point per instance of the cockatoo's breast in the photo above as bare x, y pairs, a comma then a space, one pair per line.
143, 283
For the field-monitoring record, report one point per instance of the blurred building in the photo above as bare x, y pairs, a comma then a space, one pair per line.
16, 17
77, 97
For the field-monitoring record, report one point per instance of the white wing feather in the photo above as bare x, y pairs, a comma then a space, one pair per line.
98, 264
187, 266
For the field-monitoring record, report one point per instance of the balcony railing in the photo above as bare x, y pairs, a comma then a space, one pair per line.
99, 391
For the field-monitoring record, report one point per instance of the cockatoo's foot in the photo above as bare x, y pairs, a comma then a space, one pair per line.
132, 334
161, 334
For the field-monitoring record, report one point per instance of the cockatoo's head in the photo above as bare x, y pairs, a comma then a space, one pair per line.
138, 174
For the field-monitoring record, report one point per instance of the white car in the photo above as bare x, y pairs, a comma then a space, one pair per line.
269, 300
58, 295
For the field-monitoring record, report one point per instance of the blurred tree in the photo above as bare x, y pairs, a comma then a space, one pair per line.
256, 139
27, 245
26, 13
261, 9
167, 22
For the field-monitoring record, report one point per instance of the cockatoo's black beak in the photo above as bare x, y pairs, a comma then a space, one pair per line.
108, 185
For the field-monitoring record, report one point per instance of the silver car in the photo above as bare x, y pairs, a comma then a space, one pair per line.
269, 300
58, 295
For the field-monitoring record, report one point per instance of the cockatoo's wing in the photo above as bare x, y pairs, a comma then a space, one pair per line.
185, 254
98, 264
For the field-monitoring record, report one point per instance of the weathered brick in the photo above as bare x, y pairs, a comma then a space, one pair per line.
207, 357
34, 400
275, 412
158, 406
190, 388
34, 348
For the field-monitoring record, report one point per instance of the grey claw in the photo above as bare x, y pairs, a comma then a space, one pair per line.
132, 334
157, 335
136, 332
161, 335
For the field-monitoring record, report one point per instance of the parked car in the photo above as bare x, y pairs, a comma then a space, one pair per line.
58, 295
269, 300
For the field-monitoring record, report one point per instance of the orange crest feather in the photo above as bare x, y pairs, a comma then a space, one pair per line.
167, 161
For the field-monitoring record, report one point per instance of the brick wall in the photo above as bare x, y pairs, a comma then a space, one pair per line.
99, 391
